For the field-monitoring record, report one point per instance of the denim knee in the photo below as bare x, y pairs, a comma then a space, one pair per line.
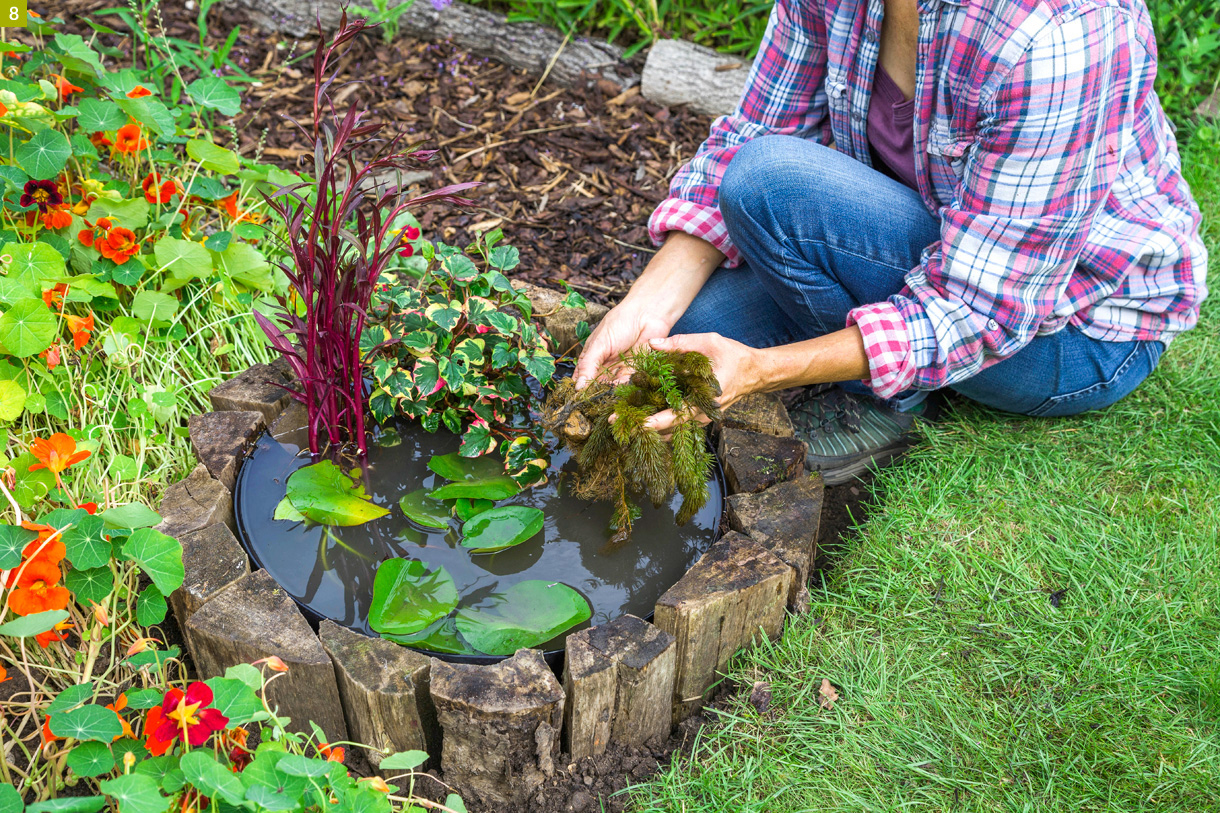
742, 189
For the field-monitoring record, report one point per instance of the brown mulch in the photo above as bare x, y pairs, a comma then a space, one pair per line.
571, 175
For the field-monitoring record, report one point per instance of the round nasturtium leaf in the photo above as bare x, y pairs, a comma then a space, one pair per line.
423, 510
27, 328
326, 494
499, 528
408, 598
527, 614
478, 478
12, 400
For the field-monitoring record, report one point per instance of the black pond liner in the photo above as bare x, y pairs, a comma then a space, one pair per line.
554, 657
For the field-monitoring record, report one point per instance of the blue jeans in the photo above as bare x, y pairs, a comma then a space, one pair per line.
821, 234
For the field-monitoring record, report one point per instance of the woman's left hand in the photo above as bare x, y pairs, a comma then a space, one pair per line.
735, 365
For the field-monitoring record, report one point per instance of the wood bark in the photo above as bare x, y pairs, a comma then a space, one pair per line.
500, 725
254, 618
761, 412
682, 73
736, 592
384, 688
522, 45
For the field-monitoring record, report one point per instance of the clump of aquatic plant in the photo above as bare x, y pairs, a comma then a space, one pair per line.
622, 458
340, 236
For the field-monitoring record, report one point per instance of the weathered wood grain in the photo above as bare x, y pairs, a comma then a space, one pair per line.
753, 461
220, 438
212, 559
784, 519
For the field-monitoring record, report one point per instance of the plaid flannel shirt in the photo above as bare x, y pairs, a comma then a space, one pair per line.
1041, 146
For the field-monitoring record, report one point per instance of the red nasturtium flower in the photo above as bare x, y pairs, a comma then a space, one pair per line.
56, 453
138, 92
3, 110
118, 245
130, 138
100, 140
64, 87
58, 217
182, 716
43, 194
47, 736
51, 356
82, 328
153, 194
94, 232
38, 589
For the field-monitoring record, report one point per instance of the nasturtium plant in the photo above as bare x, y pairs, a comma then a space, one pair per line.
527, 614
408, 598
453, 346
326, 494
499, 528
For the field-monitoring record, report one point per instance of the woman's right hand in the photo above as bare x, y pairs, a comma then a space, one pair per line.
624, 327
655, 302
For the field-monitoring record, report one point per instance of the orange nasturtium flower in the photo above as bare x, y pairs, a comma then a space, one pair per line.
38, 589
53, 550
64, 87
100, 140
138, 92
51, 356
119, 245
82, 328
229, 204
54, 297
56, 453
3, 110
57, 217
166, 190
47, 736
130, 138
118, 705
4, 674
58, 633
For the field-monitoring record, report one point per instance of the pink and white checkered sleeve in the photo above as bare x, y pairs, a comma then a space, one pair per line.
696, 219
887, 344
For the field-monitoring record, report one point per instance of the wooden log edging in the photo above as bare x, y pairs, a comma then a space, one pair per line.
497, 730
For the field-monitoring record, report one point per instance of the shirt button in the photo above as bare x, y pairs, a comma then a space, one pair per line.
856, 116
870, 36
993, 324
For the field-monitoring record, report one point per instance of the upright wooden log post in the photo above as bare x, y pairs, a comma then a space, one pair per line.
220, 438
213, 559
500, 725
753, 461
194, 503
737, 591
254, 390
785, 520
254, 618
619, 680
384, 688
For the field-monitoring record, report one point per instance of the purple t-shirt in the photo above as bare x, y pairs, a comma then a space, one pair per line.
891, 123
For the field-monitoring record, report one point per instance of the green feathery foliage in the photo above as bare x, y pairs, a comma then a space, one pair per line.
623, 458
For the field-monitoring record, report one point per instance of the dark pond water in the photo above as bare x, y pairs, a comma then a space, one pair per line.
330, 570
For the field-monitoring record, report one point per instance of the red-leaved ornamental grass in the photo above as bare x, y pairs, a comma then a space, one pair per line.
182, 717
339, 240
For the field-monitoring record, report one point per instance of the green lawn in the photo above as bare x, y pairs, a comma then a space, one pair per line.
964, 686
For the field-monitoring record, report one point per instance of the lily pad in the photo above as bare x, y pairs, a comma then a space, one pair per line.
423, 510
408, 598
468, 509
527, 614
326, 494
499, 528
286, 512
442, 636
473, 478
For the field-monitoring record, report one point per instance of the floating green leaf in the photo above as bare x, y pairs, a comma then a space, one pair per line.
499, 528
403, 761
91, 584
407, 597
423, 510
44, 155
212, 157
10, 799
326, 494
154, 307
67, 804
466, 509
442, 636
151, 113
91, 759
150, 606
474, 478
86, 543
12, 400
527, 614
236, 700
159, 556
27, 328
97, 115
183, 259
71, 697
285, 511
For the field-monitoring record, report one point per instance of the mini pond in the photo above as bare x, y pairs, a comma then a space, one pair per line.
565, 570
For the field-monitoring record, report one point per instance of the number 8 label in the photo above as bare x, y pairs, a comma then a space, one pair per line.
13, 14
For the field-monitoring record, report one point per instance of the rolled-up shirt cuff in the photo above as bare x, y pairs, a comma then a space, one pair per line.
697, 220
887, 344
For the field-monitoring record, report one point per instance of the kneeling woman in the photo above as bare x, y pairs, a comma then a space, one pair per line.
983, 195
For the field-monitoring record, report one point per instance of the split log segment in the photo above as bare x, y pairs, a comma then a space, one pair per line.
220, 439
619, 680
194, 503
736, 592
254, 390
384, 688
753, 461
680, 72
762, 412
528, 46
213, 559
254, 618
561, 321
784, 519
500, 725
